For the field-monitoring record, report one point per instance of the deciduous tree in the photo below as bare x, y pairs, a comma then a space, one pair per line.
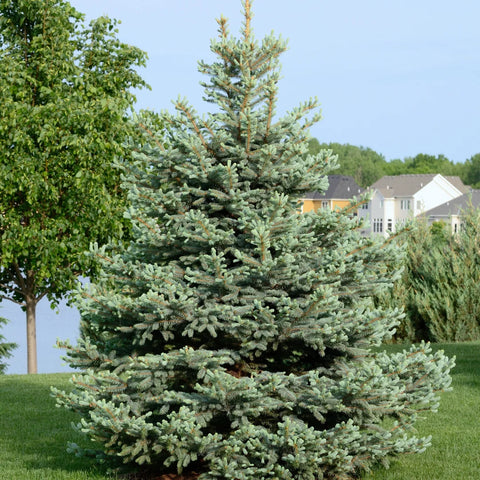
65, 91
363, 164
471, 171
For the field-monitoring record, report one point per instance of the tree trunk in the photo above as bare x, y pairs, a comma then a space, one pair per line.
31, 305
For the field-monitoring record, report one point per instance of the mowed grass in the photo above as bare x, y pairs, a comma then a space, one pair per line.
34, 433
455, 428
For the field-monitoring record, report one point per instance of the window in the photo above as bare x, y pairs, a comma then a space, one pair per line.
378, 225
404, 204
364, 206
325, 204
389, 225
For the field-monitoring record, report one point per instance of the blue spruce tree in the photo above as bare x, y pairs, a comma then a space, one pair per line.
232, 339
6, 348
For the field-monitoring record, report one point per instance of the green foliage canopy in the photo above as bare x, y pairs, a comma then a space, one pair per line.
471, 171
423, 163
65, 91
367, 166
363, 164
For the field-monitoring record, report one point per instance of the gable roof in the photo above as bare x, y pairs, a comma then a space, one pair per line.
402, 185
339, 187
456, 206
409, 184
457, 183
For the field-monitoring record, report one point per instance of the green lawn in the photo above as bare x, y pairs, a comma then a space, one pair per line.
455, 428
34, 434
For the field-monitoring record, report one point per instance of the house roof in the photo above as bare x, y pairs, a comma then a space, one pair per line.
409, 184
339, 187
457, 182
402, 185
456, 206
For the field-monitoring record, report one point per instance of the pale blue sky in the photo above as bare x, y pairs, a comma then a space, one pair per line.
401, 77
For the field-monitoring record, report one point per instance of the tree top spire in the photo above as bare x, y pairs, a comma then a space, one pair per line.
247, 8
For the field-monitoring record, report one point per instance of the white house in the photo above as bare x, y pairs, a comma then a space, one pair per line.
397, 198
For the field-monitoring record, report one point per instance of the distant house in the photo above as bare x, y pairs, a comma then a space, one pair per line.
395, 199
451, 212
340, 192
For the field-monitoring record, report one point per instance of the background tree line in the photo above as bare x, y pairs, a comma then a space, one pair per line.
366, 166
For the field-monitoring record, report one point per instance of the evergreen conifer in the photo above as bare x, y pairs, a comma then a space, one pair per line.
440, 284
6, 348
233, 338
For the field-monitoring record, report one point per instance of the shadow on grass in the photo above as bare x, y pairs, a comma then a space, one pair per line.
467, 357
33, 432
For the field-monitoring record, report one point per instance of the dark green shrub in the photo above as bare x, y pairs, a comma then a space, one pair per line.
440, 286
